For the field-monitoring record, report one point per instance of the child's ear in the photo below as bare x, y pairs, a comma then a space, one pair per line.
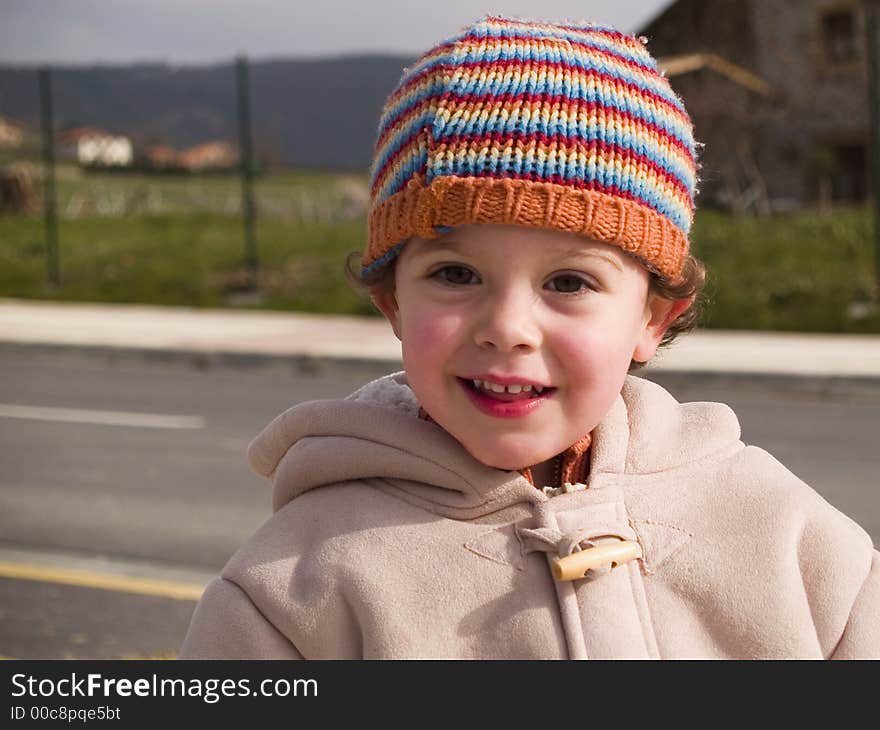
660, 313
386, 303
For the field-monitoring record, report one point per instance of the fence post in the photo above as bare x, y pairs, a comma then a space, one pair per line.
45, 80
871, 9
247, 168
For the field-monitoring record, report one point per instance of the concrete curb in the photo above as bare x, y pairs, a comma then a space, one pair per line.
302, 364
865, 388
305, 343
818, 385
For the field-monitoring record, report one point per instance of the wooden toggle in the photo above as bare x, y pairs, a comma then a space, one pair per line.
576, 565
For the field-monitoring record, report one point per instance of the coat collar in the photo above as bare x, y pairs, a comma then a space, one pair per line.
575, 460
376, 433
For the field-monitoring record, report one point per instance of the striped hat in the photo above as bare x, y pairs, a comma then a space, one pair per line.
564, 126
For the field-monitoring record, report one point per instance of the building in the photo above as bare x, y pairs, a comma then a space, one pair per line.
205, 157
92, 147
777, 90
218, 155
161, 157
11, 133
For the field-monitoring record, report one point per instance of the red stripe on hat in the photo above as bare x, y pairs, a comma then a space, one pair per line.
579, 104
611, 80
564, 140
389, 163
418, 78
605, 149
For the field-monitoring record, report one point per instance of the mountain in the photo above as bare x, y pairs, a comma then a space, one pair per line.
310, 114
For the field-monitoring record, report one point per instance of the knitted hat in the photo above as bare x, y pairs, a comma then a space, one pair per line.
563, 126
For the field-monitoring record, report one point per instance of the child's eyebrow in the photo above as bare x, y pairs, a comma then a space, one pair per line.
452, 246
445, 247
592, 253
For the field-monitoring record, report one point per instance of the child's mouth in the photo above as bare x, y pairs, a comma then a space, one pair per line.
505, 396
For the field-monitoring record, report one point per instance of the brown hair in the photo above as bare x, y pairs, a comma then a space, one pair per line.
691, 284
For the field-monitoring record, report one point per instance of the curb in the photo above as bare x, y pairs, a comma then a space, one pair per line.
823, 386
300, 364
866, 388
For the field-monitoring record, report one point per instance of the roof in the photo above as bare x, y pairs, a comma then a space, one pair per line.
70, 136
9, 122
207, 153
677, 65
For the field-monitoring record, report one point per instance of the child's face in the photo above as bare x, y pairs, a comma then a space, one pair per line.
540, 306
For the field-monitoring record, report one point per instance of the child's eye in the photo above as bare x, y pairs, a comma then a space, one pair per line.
453, 275
563, 283
571, 284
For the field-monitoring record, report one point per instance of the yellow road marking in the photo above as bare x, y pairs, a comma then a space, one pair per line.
161, 656
103, 581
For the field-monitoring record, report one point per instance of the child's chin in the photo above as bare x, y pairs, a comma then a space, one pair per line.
495, 463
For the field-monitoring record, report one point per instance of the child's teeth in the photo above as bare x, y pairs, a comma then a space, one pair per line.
514, 389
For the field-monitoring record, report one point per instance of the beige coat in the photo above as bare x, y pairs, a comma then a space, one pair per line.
388, 540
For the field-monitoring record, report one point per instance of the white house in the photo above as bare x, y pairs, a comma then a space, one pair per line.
95, 147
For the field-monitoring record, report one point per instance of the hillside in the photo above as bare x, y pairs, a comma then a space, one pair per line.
313, 114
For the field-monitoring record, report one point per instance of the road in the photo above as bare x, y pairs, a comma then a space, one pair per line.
138, 468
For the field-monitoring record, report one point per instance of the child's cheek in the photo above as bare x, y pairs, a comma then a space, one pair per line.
430, 338
594, 355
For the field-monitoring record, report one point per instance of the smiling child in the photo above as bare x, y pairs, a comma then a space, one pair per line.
515, 491
553, 317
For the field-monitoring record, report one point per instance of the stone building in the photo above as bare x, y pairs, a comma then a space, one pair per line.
778, 93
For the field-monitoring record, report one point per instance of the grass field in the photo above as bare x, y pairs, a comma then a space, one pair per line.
285, 195
193, 260
796, 272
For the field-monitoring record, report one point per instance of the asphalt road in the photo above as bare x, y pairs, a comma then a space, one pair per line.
171, 495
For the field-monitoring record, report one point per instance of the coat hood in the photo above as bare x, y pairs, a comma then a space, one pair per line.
375, 433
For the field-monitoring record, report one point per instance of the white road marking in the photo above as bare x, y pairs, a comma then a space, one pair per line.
101, 418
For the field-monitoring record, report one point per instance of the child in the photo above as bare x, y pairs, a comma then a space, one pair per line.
515, 493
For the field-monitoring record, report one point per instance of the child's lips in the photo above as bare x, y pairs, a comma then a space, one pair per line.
504, 396
506, 405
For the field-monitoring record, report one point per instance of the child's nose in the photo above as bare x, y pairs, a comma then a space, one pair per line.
507, 322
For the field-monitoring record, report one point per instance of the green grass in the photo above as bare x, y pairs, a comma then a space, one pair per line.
195, 260
285, 195
796, 272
